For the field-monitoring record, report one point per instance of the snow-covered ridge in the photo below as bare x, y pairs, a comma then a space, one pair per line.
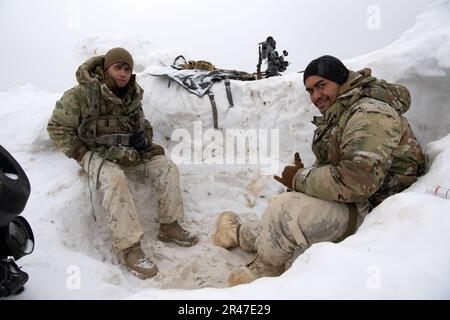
420, 59
400, 251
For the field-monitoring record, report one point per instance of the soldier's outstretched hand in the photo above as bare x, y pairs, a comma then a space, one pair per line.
297, 161
287, 177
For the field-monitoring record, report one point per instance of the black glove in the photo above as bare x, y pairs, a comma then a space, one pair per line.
139, 142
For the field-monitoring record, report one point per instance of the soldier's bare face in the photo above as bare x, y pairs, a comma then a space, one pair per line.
322, 92
121, 73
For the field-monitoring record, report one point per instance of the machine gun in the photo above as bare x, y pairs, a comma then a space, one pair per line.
267, 53
275, 62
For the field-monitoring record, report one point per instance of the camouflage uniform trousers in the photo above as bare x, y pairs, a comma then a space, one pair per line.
294, 221
115, 195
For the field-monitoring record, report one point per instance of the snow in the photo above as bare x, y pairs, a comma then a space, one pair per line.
399, 252
420, 60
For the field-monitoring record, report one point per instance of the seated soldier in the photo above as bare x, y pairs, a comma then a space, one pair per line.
100, 123
365, 152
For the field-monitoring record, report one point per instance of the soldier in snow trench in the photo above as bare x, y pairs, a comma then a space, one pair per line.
365, 152
100, 123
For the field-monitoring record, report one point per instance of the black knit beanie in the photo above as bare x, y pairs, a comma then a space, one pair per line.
328, 67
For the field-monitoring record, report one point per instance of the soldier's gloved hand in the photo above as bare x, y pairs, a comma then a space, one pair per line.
79, 153
138, 141
287, 177
153, 151
123, 156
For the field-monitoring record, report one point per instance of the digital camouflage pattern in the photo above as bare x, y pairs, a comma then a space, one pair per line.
92, 110
365, 150
123, 219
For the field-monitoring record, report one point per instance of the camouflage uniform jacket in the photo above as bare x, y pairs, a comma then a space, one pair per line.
365, 150
92, 102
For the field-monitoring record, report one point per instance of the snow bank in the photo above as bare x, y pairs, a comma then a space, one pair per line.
420, 59
400, 251
145, 52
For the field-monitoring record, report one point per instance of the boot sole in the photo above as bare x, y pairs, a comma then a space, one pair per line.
140, 275
178, 242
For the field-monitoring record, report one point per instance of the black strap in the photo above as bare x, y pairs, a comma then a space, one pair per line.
91, 155
351, 224
176, 59
214, 109
228, 90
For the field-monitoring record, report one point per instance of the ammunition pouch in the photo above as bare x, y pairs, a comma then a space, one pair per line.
118, 139
88, 133
121, 148
109, 137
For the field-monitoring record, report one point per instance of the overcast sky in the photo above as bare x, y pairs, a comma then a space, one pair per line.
37, 37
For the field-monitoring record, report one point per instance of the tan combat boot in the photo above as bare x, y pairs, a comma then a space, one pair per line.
252, 271
138, 263
227, 230
173, 232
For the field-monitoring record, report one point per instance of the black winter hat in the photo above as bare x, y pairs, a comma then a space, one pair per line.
328, 67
